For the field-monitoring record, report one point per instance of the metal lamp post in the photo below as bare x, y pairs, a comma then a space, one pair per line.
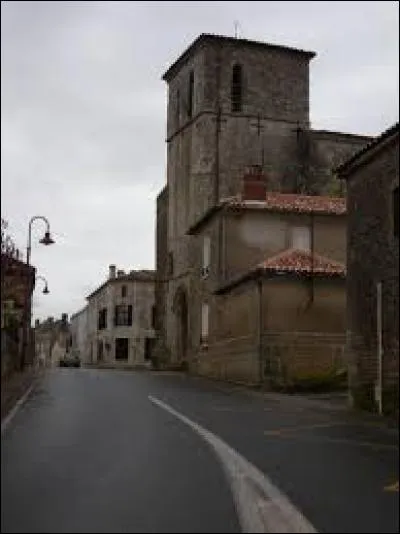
46, 240
46, 285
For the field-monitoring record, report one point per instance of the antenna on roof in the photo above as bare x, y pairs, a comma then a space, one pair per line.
236, 24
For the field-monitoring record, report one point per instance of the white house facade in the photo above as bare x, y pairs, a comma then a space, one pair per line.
79, 334
120, 319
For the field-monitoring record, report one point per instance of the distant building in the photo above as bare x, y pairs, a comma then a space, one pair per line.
120, 319
372, 178
17, 285
52, 340
79, 335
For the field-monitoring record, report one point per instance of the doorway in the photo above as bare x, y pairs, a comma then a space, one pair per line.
121, 348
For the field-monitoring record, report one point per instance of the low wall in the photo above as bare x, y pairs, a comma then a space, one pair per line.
235, 359
293, 357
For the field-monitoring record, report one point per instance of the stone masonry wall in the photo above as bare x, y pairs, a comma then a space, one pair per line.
373, 255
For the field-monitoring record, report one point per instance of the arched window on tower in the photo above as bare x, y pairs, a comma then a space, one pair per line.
236, 89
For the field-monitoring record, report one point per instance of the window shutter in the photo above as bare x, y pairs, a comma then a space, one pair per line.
206, 251
130, 315
204, 321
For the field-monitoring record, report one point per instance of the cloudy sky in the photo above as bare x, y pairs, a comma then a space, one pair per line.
83, 113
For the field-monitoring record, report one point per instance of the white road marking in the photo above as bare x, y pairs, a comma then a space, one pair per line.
7, 420
260, 505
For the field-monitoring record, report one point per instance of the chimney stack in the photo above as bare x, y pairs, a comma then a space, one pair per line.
64, 318
37, 323
112, 271
254, 184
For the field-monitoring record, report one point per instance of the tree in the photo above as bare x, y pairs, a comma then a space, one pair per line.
8, 247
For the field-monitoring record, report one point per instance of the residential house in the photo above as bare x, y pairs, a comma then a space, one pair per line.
232, 104
120, 319
52, 340
268, 287
79, 335
372, 178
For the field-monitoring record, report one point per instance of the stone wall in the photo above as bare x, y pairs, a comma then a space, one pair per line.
373, 256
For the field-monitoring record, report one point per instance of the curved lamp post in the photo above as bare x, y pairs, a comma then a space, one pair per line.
46, 239
46, 287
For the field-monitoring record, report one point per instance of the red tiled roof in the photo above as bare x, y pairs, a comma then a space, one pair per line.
301, 261
296, 203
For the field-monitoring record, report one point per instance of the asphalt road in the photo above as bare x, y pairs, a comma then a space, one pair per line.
90, 452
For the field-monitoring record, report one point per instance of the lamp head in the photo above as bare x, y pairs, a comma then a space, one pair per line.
46, 240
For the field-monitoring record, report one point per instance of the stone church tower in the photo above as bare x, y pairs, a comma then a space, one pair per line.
232, 103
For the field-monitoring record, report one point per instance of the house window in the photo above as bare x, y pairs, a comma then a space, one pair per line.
395, 197
204, 322
301, 238
102, 319
123, 291
123, 315
190, 94
206, 255
121, 348
236, 89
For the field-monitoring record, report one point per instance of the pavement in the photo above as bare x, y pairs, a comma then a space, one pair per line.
120, 451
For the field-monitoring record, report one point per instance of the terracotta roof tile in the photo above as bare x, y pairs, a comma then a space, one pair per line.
291, 202
301, 261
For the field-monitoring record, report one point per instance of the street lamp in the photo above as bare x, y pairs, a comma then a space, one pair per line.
46, 288
46, 240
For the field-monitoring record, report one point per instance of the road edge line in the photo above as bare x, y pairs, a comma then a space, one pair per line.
14, 410
247, 482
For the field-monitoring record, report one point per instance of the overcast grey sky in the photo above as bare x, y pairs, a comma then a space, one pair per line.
83, 113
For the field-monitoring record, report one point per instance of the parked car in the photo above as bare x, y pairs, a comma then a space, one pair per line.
70, 360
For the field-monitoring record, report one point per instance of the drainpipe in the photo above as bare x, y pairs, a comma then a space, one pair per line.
260, 328
378, 391
312, 246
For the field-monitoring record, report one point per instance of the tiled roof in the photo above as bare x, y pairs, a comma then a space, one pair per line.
283, 202
144, 275
290, 202
301, 261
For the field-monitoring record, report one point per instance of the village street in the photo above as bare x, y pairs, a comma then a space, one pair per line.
114, 451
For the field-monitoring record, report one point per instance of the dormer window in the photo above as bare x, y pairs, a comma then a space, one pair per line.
236, 89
